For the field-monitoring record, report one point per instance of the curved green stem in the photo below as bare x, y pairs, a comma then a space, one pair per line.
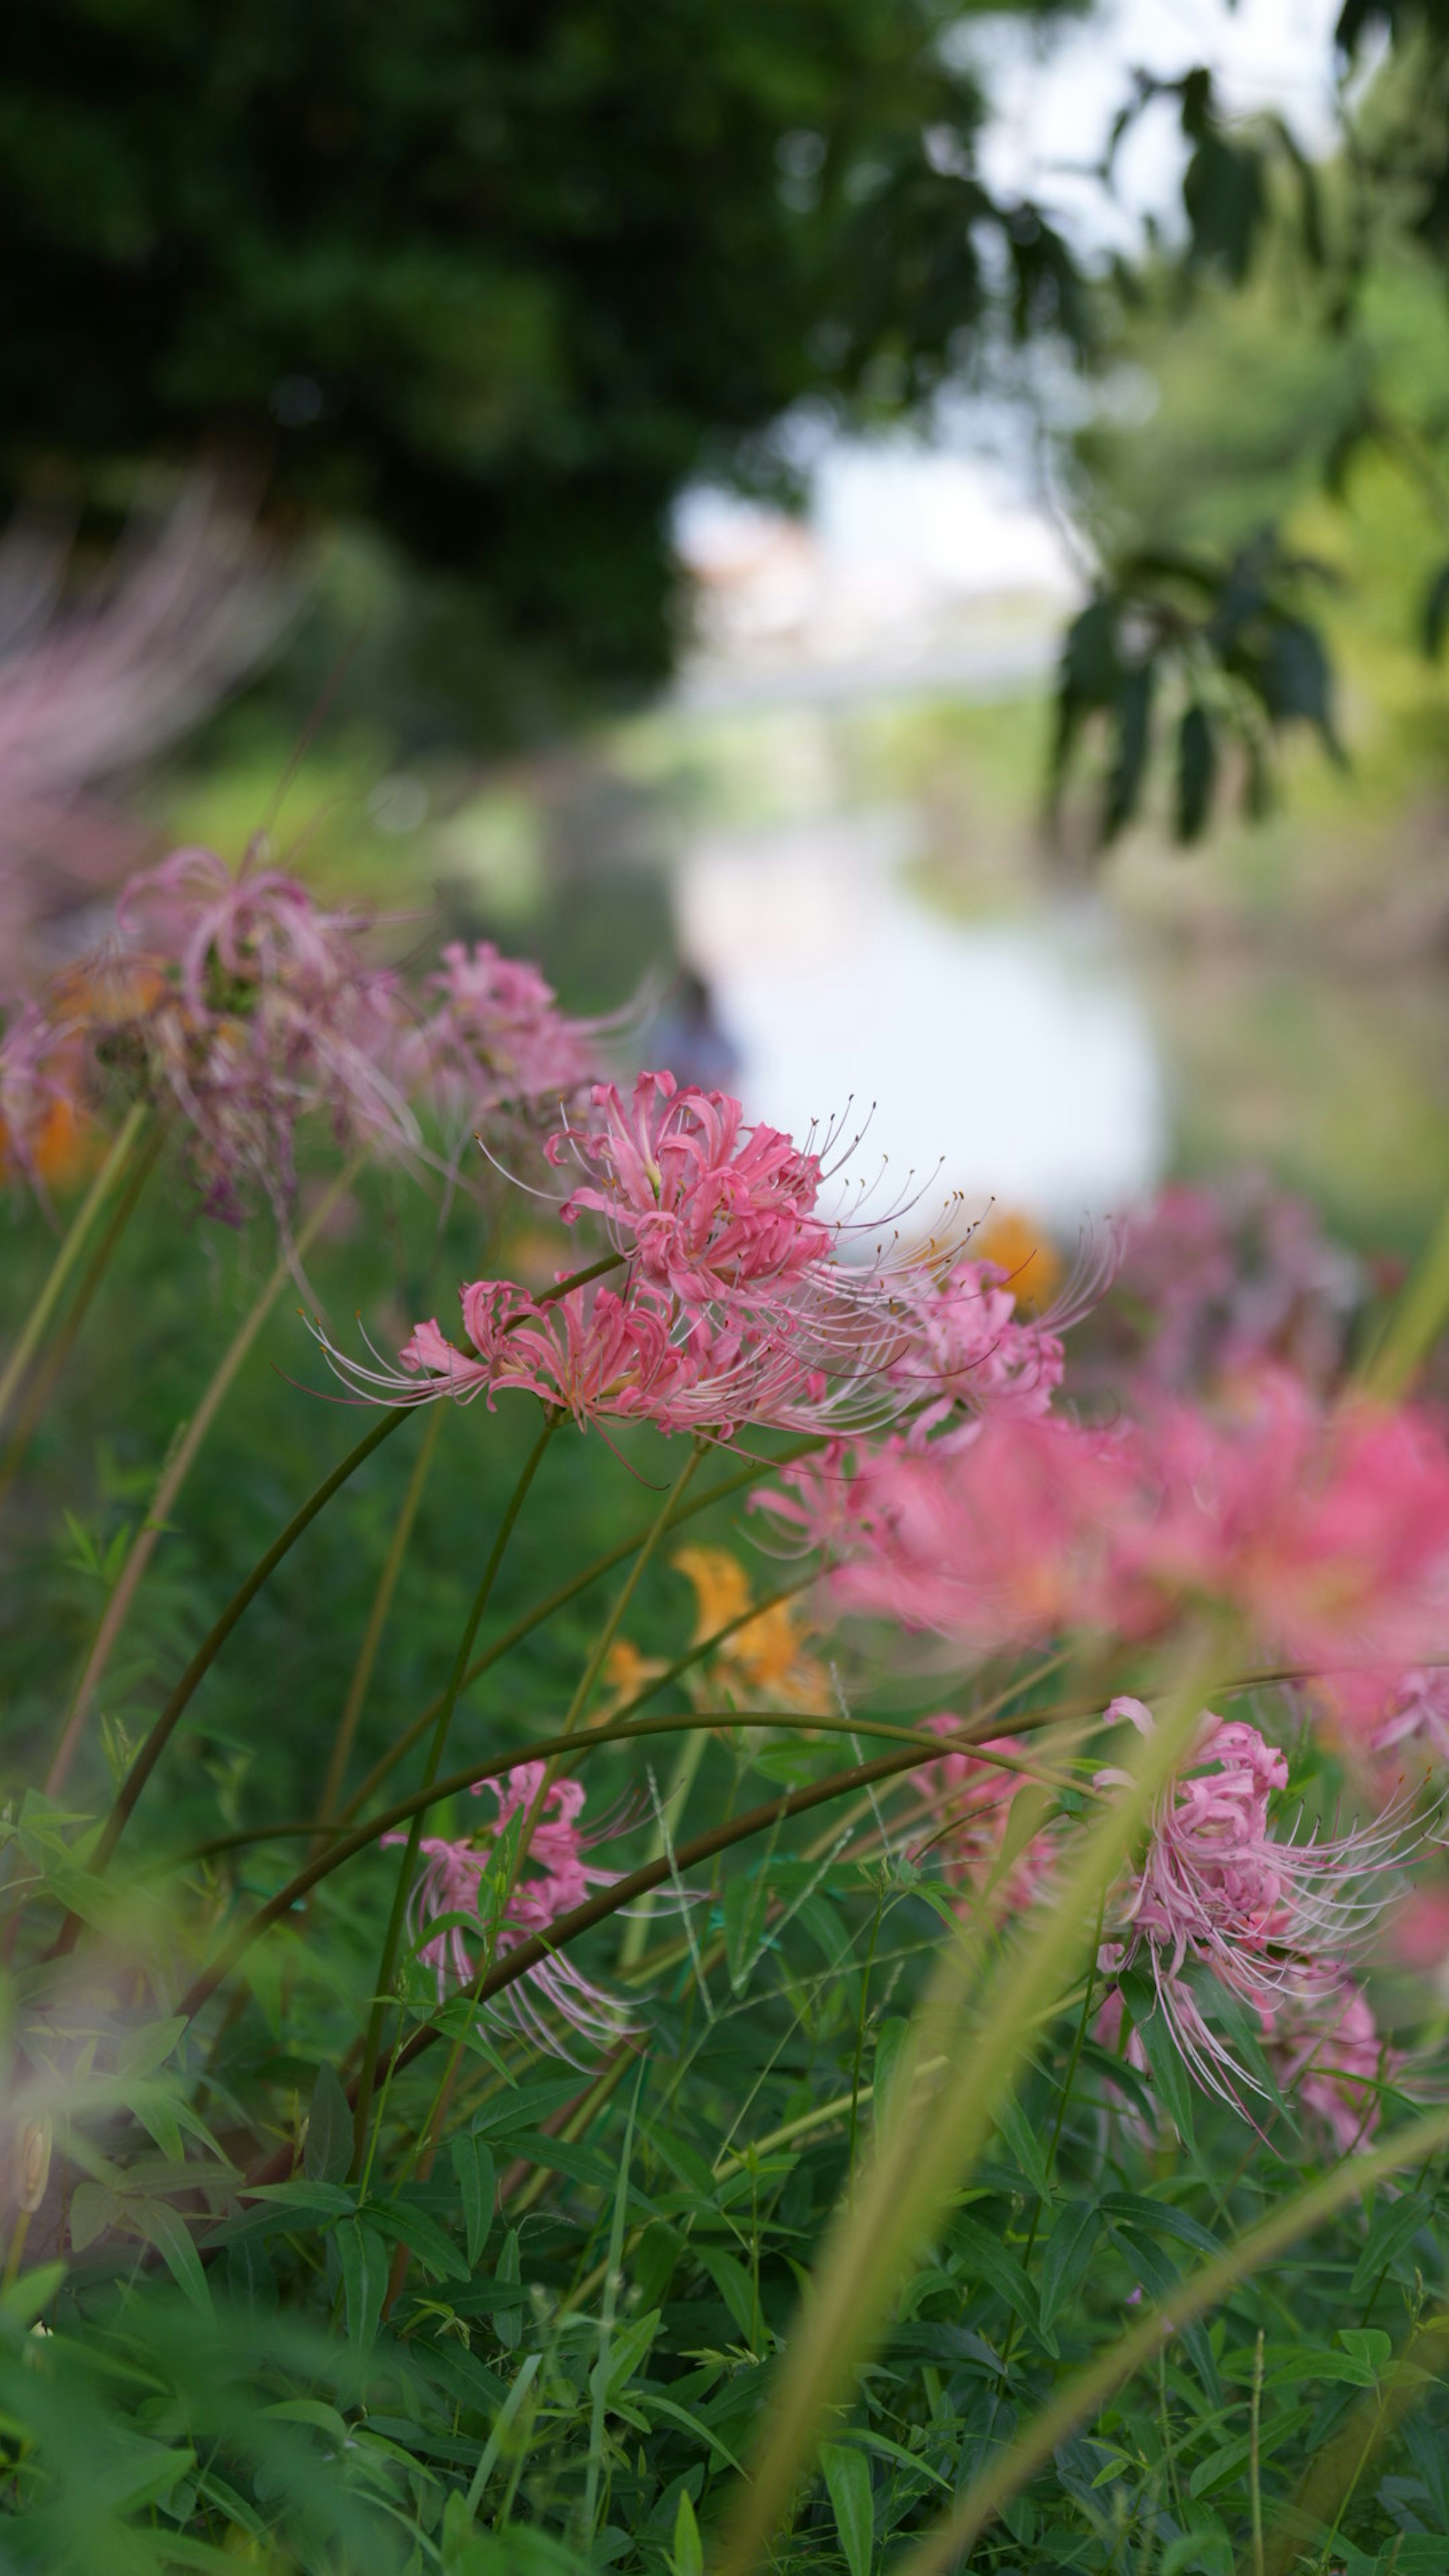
922, 1747
392, 1938
377, 1620
173, 1476
628, 1588
543, 1611
70, 1251
211, 1646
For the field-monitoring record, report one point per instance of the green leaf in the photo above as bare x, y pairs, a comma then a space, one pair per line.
327, 2153
364, 2260
1396, 2223
1436, 613
734, 2286
164, 2228
1197, 762
847, 2483
1368, 2345
1024, 2143
24, 2298
508, 2314
1170, 2078
477, 2182
1068, 2252
421, 2235
687, 2558
893, 2056
1134, 741
625, 2354
989, 2260
745, 1908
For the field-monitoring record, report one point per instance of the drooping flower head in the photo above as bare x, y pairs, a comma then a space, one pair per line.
242, 1006
494, 1038
1273, 1919
556, 1877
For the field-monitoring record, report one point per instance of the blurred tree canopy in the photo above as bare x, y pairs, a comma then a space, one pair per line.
491, 278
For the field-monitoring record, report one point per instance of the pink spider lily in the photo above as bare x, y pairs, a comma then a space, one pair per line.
1415, 1712
1217, 1281
603, 1356
1329, 2059
556, 1877
969, 1803
712, 1210
494, 1039
40, 1111
968, 1354
248, 1007
1005, 1542
1273, 1920
1325, 1531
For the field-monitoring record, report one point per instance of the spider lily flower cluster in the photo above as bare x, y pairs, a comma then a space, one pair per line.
479, 1876
1322, 1527
738, 1305
1275, 1922
242, 1007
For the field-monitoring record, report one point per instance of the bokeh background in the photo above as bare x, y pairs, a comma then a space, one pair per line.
669, 457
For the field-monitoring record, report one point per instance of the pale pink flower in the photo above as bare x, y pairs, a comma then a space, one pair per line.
967, 1354
493, 1039
94, 680
969, 1802
713, 1210
1218, 1280
40, 1112
1328, 2060
555, 1878
1327, 1530
1006, 1542
1271, 1918
259, 1007
1416, 1711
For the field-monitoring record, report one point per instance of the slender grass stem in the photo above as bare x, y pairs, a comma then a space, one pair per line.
920, 1748
212, 1644
392, 1938
612, 1624
43, 1383
543, 1611
357, 1688
173, 1476
71, 1248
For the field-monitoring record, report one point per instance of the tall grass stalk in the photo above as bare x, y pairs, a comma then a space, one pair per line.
72, 1245
929, 2149
46, 1377
173, 1476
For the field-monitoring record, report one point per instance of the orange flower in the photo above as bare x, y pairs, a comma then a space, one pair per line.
765, 1657
1025, 1252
